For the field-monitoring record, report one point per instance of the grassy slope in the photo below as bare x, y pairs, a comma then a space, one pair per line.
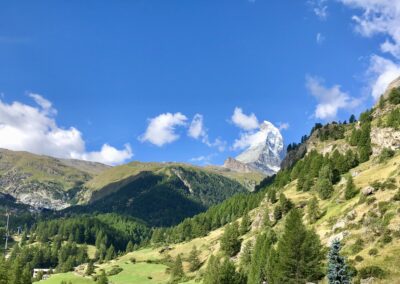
336, 208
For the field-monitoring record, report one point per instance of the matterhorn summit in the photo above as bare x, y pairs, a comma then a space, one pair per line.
264, 153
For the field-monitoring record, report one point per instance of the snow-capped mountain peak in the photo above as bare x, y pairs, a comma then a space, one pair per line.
265, 151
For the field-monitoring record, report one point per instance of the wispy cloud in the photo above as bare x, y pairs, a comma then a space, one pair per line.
320, 8
329, 99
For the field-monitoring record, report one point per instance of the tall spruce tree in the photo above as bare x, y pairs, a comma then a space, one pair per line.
194, 260
313, 211
299, 253
222, 271
177, 269
230, 242
338, 272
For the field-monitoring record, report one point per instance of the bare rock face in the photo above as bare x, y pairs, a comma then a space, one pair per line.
384, 138
264, 153
368, 190
235, 165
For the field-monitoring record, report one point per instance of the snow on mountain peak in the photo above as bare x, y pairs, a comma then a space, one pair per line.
265, 149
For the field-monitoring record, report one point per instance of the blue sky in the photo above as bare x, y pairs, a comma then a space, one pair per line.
101, 70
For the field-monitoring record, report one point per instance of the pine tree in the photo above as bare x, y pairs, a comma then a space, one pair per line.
3, 271
26, 277
260, 256
194, 260
102, 279
351, 189
110, 253
222, 272
338, 271
313, 211
245, 224
299, 253
90, 268
230, 242
129, 247
352, 119
324, 188
177, 269
245, 256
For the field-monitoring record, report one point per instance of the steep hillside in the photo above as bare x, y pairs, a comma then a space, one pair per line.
41, 181
160, 194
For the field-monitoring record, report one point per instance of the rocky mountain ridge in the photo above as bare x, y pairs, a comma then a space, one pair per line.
263, 155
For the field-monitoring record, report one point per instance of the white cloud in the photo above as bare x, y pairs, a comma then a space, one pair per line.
382, 72
203, 159
243, 121
283, 125
330, 100
320, 38
320, 8
33, 128
162, 129
197, 130
379, 17
107, 155
248, 139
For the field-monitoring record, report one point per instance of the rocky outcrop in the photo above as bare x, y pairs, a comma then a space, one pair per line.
384, 138
293, 156
235, 165
368, 190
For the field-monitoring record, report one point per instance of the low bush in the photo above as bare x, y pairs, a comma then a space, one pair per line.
358, 258
371, 271
373, 251
114, 271
357, 246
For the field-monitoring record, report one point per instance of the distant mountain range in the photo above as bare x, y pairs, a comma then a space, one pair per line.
159, 193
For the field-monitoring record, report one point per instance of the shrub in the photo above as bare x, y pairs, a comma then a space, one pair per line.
383, 207
357, 246
386, 238
358, 258
394, 96
396, 197
371, 200
373, 251
371, 271
114, 271
385, 155
133, 260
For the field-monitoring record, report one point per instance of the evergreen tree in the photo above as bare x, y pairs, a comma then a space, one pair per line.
260, 258
222, 272
129, 247
3, 271
313, 211
245, 224
110, 253
352, 119
299, 253
324, 188
338, 271
177, 269
194, 260
26, 277
351, 189
90, 268
245, 256
230, 242
102, 279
